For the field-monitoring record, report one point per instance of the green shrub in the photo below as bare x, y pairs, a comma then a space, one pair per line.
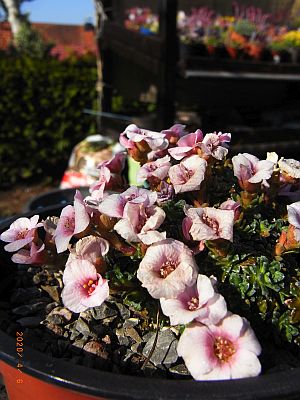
245, 27
30, 43
41, 114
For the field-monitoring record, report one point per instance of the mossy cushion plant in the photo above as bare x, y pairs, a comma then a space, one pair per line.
206, 245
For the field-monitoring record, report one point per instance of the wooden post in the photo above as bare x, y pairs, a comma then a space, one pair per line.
106, 56
167, 74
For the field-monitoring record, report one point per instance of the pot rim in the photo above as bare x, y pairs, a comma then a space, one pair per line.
275, 386
279, 385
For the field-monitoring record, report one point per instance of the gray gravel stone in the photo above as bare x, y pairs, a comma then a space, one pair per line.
29, 322
96, 348
62, 312
165, 352
131, 322
103, 311
49, 307
80, 343
124, 311
56, 319
133, 334
28, 309
82, 327
122, 338
21, 295
53, 291
180, 369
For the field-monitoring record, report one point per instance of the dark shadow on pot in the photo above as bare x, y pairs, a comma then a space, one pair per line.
58, 197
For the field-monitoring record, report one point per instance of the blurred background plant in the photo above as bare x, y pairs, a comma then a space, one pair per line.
29, 42
45, 118
248, 32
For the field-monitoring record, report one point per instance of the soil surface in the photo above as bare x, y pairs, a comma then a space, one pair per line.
13, 201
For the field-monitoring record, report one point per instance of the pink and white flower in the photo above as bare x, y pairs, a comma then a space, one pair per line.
83, 286
72, 220
232, 205
141, 223
97, 189
250, 170
156, 170
209, 223
188, 174
166, 192
20, 233
115, 164
174, 133
90, 248
213, 144
114, 205
199, 302
167, 268
187, 145
133, 134
36, 255
109, 178
195, 247
294, 218
290, 170
228, 350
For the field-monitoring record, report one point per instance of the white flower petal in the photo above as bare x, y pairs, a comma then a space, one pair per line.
195, 346
294, 214
233, 325
219, 373
151, 237
217, 310
245, 365
248, 341
79, 271
205, 289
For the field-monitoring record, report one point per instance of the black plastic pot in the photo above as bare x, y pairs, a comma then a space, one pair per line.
47, 378
58, 197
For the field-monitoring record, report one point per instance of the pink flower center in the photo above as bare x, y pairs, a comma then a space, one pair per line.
90, 286
193, 304
152, 167
22, 234
167, 268
130, 197
211, 222
69, 224
213, 144
223, 349
186, 173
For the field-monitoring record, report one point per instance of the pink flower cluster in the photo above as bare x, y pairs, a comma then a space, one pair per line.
211, 345
175, 165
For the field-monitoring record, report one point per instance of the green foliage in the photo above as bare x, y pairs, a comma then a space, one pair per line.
30, 43
123, 282
245, 27
174, 214
255, 282
41, 113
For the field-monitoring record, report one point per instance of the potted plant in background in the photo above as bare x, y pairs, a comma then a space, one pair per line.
193, 274
291, 41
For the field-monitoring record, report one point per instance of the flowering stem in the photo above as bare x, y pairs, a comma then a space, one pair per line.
155, 341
